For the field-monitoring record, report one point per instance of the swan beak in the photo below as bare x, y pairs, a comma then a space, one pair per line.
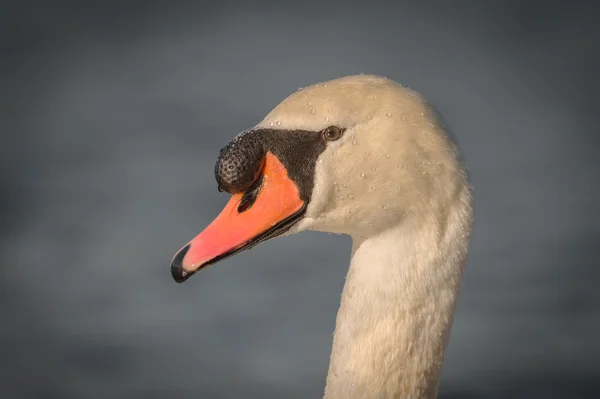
266, 210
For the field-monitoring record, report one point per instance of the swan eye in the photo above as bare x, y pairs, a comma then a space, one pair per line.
332, 133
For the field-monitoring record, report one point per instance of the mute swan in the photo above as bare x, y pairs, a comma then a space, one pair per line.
364, 156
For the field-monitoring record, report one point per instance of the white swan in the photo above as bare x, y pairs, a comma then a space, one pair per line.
364, 156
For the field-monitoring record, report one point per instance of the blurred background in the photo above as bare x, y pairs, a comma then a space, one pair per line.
112, 114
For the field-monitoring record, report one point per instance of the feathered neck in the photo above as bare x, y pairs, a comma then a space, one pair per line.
397, 307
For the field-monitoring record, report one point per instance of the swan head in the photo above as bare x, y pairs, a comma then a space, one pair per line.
355, 155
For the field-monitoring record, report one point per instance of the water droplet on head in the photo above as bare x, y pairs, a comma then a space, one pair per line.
312, 111
309, 103
363, 175
326, 119
354, 143
373, 188
367, 153
388, 114
271, 124
347, 210
278, 123
350, 196
383, 206
320, 161
387, 157
422, 114
300, 88
373, 169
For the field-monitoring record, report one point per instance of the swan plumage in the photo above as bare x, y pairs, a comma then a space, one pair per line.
395, 183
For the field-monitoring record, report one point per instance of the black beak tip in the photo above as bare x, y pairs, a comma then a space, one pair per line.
177, 271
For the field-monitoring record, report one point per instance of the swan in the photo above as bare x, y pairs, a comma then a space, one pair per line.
364, 156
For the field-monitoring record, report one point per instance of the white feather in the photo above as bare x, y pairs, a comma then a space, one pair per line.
393, 182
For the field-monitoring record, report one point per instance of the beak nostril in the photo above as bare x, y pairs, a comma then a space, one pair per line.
177, 271
250, 196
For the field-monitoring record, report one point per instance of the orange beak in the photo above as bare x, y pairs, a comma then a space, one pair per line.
266, 210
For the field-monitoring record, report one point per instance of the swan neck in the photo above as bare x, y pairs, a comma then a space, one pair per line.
396, 311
